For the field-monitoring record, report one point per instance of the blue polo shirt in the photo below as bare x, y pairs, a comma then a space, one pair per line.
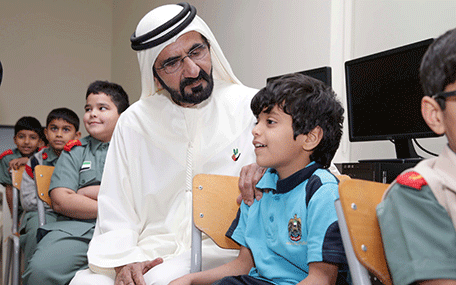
294, 224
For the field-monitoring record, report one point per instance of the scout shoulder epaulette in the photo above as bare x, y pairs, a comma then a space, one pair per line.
72, 143
5, 153
411, 179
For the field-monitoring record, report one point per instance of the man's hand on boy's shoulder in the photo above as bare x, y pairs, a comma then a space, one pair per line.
248, 179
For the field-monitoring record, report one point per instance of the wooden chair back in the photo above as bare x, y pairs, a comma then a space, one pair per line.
359, 199
215, 207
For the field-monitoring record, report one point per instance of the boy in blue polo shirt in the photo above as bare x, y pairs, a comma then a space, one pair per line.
291, 235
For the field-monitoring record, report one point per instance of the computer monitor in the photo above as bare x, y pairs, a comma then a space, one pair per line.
321, 73
384, 97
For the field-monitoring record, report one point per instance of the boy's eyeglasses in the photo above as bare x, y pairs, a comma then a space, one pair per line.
448, 96
175, 65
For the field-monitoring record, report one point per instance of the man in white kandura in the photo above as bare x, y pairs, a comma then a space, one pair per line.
193, 117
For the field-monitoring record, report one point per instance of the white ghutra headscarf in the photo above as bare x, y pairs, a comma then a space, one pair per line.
169, 18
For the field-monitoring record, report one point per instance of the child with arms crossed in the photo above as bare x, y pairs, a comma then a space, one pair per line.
62, 245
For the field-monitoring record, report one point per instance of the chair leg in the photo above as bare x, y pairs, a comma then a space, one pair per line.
196, 250
9, 250
12, 261
16, 261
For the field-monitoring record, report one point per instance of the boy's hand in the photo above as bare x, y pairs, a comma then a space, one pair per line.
133, 273
249, 177
17, 162
321, 273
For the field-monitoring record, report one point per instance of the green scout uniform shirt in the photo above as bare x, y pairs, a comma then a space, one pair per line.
77, 168
81, 166
5, 175
418, 235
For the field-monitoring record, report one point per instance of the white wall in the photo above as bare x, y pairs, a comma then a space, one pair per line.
51, 51
379, 25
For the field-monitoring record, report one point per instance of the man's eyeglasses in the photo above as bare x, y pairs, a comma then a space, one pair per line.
176, 64
450, 95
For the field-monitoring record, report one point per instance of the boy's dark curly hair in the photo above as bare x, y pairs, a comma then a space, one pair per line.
438, 66
310, 103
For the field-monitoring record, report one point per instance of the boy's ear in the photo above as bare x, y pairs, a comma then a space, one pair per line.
77, 135
45, 131
432, 115
312, 139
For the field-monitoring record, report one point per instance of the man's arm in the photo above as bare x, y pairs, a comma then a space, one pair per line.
67, 202
240, 266
321, 273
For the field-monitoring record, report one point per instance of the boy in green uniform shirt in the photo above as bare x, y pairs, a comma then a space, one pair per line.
417, 216
62, 125
62, 245
27, 132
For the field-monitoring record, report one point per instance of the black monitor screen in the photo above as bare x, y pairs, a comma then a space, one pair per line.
321, 73
384, 95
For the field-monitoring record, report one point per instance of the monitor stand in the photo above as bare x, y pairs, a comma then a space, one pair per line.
405, 152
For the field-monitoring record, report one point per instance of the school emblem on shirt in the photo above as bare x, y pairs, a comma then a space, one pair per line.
294, 228
86, 165
236, 154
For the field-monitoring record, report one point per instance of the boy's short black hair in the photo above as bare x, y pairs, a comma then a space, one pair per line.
310, 103
30, 124
438, 66
65, 114
118, 95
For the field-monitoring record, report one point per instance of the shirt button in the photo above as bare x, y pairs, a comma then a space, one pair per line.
277, 198
271, 218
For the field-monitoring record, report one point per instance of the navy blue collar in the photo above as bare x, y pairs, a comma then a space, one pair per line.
270, 179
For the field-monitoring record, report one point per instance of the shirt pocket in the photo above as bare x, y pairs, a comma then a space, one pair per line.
87, 177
